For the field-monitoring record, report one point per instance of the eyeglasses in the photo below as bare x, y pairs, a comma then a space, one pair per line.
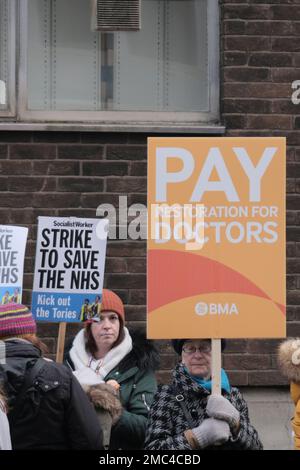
203, 348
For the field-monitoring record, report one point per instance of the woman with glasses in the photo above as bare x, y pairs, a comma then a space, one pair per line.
185, 415
116, 368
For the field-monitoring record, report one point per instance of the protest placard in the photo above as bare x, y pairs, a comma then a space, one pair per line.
216, 237
12, 252
69, 269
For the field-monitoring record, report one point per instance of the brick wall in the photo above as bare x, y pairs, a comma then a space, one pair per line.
62, 174
260, 60
71, 174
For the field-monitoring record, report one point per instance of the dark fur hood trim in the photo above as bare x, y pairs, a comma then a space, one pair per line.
144, 354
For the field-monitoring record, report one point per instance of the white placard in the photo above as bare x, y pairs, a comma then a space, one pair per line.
69, 268
12, 252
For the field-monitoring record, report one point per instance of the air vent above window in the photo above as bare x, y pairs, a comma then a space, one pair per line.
116, 15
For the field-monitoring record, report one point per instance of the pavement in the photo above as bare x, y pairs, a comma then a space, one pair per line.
270, 411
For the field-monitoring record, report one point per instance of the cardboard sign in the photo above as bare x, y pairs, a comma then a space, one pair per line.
12, 252
69, 269
216, 237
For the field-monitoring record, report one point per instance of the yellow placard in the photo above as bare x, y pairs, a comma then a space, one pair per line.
216, 238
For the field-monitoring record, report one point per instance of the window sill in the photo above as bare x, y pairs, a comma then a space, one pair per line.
169, 128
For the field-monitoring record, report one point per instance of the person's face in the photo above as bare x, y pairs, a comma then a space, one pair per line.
106, 330
196, 356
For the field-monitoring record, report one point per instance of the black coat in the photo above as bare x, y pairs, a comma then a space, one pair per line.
56, 414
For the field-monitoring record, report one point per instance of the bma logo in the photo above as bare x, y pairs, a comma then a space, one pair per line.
202, 308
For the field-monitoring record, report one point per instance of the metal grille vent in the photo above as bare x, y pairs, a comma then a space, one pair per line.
116, 15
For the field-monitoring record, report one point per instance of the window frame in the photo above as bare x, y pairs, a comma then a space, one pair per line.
10, 112
117, 120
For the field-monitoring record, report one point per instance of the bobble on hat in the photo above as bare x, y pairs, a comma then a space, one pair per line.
16, 320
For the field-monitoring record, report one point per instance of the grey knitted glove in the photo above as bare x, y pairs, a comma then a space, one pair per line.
220, 408
211, 432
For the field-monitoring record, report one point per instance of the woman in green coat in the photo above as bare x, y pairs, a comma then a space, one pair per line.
116, 368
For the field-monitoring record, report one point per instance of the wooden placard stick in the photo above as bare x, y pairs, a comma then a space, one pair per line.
216, 366
61, 342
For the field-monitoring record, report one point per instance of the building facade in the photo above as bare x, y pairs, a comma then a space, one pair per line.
77, 107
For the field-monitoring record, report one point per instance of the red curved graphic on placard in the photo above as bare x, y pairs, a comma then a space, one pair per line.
185, 275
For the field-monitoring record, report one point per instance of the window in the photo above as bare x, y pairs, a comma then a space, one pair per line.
7, 58
166, 72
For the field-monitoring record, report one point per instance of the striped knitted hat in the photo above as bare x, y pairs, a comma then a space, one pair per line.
15, 321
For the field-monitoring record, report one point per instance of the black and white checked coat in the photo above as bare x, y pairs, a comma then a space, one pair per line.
167, 422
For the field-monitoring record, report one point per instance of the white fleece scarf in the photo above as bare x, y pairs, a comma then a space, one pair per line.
89, 371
